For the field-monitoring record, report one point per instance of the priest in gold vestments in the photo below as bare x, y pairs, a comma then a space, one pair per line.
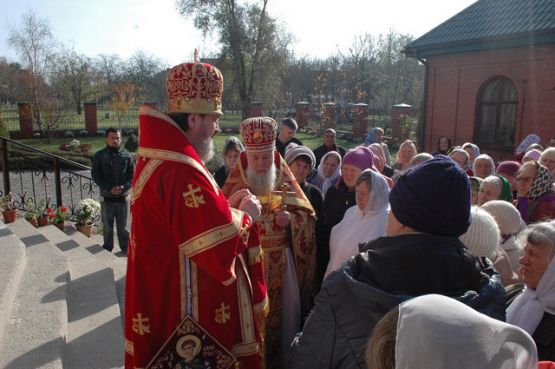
287, 234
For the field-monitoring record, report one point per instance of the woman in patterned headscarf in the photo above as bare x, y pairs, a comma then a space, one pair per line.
536, 199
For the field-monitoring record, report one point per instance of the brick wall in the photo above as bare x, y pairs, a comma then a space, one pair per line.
454, 83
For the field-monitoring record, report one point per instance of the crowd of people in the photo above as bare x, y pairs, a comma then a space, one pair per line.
334, 258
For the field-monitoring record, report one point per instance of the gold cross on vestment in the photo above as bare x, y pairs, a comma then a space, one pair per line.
139, 325
191, 199
222, 315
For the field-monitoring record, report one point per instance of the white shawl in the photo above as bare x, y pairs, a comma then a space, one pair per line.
359, 226
526, 311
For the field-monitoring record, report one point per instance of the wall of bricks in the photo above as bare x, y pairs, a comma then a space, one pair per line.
454, 83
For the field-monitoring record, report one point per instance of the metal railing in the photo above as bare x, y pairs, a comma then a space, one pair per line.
31, 173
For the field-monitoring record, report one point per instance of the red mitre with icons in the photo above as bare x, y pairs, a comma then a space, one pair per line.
195, 88
259, 134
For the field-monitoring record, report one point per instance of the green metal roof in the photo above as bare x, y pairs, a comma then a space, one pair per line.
489, 24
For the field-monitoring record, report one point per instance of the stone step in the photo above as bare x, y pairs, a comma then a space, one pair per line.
36, 333
117, 263
12, 264
95, 332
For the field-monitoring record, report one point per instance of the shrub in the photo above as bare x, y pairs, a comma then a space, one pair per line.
4, 128
132, 143
101, 132
83, 133
69, 134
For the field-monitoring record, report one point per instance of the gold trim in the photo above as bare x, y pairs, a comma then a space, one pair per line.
245, 308
150, 111
129, 347
262, 305
180, 158
211, 238
145, 175
233, 275
254, 254
194, 289
245, 349
183, 283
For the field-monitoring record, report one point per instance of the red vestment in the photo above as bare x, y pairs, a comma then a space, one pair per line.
299, 237
185, 235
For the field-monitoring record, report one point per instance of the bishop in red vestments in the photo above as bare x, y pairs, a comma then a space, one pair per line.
190, 254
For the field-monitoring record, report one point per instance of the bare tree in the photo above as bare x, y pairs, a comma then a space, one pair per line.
35, 45
72, 74
250, 39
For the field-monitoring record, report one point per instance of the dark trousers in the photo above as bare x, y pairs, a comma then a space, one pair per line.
117, 211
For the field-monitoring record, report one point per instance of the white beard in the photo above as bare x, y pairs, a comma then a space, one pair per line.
204, 149
261, 185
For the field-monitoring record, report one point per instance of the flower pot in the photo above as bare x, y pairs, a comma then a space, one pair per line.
85, 229
60, 226
33, 221
9, 216
43, 221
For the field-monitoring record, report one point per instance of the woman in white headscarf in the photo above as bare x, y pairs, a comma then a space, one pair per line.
365, 221
329, 171
438, 332
534, 309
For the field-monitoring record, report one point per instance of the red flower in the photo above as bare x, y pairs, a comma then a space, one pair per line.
63, 209
51, 214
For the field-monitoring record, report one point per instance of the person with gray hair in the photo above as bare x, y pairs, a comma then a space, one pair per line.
286, 133
534, 309
419, 158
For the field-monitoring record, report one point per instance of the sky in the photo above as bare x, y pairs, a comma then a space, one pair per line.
319, 27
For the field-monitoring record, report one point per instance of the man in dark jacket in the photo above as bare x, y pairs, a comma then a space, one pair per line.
327, 146
286, 133
112, 171
430, 208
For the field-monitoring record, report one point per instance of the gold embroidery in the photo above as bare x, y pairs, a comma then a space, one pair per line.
222, 314
180, 158
128, 347
245, 349
145, 175
191, 199
211, 238
139, 325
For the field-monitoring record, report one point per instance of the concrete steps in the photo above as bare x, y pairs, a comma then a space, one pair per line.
61, 300
35, 335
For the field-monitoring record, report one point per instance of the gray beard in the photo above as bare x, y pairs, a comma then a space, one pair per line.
204, 149
261, 185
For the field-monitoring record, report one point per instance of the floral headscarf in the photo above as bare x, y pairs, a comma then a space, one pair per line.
543, 183
529, 140
379, 156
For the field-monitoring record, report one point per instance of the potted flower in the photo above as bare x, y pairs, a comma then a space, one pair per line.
7, 207
88, 210
58, 216
32, 214
43, 213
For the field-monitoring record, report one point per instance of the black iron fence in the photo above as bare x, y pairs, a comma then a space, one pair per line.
46, 179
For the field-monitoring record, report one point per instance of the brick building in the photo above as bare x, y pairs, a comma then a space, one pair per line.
490, 75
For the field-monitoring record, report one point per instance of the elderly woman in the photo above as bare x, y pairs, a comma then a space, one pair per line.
443, 146
536, 199
472, 150
380, 160
495, 188
509, 170
232, 149
532, 155
364, 222
376, 136
329, 171
460, 157
483, 166
548, 159
438, 332
534, 309
475, 184
419, 158
407, 150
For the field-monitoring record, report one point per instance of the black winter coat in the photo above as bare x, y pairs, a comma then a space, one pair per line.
544, 336
354, 298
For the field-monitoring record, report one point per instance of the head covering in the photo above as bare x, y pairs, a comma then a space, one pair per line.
526, 311
358, 226
475, 149
463, 152
195, 88
509, 167
371, 138
233, 141
485, 157
505, 214
259, 134
438, 332
293, 151
360, 157
449, 145
482, 237
379, 156
419, 158
533, 154
506, 190
329, 181
475, 183
529, 140
433, 197
543, 182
